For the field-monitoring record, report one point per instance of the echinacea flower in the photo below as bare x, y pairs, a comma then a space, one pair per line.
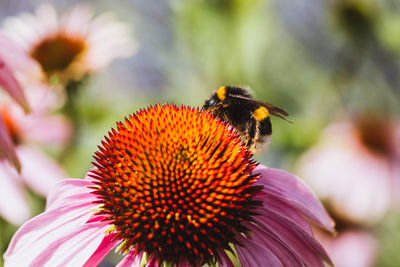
176, 186
72, 46
38, 171
353, 168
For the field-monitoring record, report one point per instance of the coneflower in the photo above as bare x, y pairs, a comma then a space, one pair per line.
174, 186
73, 45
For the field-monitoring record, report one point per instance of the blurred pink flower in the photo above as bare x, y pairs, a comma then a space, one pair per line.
173, 193
350, 248
38, 171
353, 168
71, 46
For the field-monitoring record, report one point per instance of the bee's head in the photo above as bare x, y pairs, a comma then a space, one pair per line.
216, 98
212, 102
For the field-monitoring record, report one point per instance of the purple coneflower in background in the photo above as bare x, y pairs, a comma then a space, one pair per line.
354, 170
176, 186
72, 46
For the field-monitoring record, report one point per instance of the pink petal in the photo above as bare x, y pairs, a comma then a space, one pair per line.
70, 191
292, 191
224, 260
46, 130
73, 249
252, 254
61, 235
108, 243
131, 259
301, 242
6, 146
279, 248
14, 206
11, 85
39, 171
181, 263
39, 126
272, 203
44, 99
18, 59
153, 262
48, 226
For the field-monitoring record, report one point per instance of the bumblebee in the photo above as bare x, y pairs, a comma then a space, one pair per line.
249, 117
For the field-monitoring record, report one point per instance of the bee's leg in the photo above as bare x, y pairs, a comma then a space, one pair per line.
252, 132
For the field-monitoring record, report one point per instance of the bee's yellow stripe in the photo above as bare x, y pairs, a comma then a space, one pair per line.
221, 93
261, 113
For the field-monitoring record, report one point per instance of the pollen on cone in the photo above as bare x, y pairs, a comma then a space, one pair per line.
176, 183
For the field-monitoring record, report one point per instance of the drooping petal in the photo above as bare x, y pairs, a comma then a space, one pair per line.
292, 191
153, 262
7, 148
224, 260
252, 254
301, 242
108, 243
279, 248
10, 84
39, 171
132, 259
272, 203
14, 206
61, 235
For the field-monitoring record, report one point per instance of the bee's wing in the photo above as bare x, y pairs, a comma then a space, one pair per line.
276, 111
273, 110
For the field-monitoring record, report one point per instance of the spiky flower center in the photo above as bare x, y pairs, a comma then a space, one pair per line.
57, 52
176, 183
